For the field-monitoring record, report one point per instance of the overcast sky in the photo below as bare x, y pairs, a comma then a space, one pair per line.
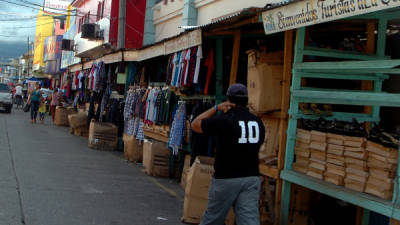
14, 34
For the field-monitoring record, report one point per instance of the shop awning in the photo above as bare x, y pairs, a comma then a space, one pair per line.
96, 52
298, 14
171, 45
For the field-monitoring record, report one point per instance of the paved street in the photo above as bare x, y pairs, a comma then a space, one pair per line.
50, 177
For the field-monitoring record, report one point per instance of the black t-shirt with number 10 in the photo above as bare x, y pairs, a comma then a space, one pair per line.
240, 135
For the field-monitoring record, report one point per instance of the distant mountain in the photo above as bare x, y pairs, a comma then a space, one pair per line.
11, 50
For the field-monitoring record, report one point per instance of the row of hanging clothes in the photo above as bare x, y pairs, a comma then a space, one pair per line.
185, 69
181, 133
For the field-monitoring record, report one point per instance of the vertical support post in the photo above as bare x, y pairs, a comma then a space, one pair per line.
292, 127
283, 123
365, 218
235, 57
189, 13
219, 70
149, 28
370, 49
121, 24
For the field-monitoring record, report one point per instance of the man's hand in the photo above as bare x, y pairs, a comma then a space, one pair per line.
225, 106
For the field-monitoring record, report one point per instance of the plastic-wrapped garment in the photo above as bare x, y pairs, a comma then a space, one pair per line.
129, 127
140, 131
177, 132
128, 110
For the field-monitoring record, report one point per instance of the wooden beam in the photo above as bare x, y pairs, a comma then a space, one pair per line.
283, 123
235, 57
269, 171
394, 222
370, 49
219, 70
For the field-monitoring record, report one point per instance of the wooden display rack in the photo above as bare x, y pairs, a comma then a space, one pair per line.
368, 67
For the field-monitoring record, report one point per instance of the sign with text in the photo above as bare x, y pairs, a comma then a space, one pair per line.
56, 6
183, 42
310, 12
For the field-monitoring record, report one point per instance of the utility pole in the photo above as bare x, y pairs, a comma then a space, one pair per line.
29, 56
121, 24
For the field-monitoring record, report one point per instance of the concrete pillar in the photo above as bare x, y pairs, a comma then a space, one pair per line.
189, 13
149, 28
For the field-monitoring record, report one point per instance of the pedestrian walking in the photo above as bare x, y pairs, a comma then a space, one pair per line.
42, 110
56, 98
236, 181
34, 100
18, 96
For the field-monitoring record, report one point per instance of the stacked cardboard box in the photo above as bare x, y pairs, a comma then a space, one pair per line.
382, 163
317, 147
302, 151
335, 162
355, 158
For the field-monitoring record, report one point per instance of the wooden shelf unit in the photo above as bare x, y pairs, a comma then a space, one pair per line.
365, 67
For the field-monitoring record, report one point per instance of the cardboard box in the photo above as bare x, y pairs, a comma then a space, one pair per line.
194, 208
199, 177
185, 171
132, 149
156, 158
197, 186
264, 80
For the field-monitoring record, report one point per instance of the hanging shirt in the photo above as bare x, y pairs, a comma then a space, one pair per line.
211, 66
80, 80
186, 68
180, 68
197, 69
175, 62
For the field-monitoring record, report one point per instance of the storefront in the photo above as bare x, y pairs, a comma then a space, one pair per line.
341, 138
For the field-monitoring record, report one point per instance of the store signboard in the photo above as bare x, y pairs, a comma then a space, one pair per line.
56, 6
151, 52
183, 42
310, 12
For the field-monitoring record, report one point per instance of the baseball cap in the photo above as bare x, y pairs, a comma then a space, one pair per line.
237, 90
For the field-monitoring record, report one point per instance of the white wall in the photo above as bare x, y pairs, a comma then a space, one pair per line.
83, 45
167, 18
207, 10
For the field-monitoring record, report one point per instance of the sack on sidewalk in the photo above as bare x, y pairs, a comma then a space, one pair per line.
103, 136
77, 120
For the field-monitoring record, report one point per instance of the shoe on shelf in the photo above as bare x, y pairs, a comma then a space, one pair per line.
316, 110
304, 108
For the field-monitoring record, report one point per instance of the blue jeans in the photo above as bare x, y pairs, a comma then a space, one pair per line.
34, 109
241, 193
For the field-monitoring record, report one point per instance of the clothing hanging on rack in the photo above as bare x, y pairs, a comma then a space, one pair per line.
177, 132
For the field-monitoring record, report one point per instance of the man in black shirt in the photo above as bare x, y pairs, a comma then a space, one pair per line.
236, 181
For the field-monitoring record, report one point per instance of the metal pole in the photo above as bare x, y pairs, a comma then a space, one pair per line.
121, 24
29, 56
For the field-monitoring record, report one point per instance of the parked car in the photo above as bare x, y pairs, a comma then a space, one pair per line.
6, 98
